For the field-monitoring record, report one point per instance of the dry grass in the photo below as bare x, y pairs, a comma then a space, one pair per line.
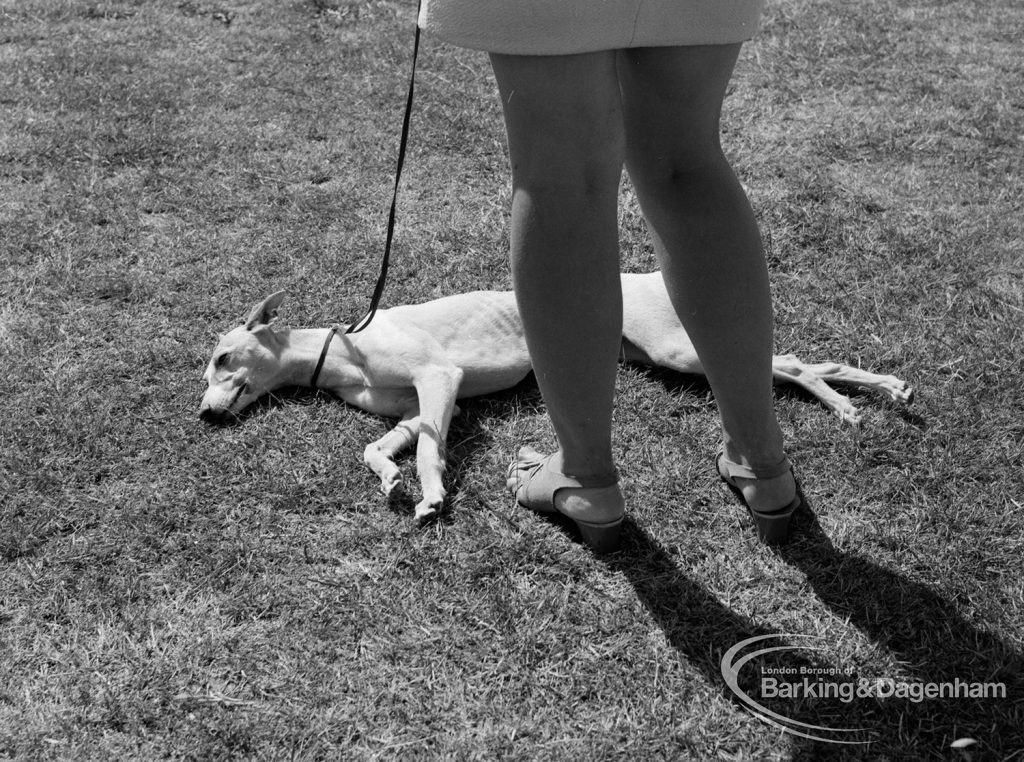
169, 590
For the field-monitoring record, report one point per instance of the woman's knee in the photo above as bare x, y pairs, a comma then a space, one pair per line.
672, 102
564, 180
563, 119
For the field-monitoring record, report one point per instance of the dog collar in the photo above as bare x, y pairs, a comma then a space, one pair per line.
323, 355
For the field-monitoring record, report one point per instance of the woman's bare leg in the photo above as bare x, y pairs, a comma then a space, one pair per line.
566, 143
708, 242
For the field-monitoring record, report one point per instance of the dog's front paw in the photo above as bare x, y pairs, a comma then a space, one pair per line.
900, 390
427, 509
392, 484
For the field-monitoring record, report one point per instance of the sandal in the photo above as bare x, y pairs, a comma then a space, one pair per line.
772, 526
536, 483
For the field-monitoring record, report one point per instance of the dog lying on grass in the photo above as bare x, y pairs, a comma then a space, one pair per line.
413, 362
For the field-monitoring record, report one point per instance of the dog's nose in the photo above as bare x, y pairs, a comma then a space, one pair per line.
209, 415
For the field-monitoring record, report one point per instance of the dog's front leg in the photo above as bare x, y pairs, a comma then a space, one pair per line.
379, 455
437, 389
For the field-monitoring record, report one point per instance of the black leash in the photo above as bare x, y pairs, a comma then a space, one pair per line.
378, 290
403, 143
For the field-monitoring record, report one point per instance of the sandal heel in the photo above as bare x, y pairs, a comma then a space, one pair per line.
535, 483
600, 538
773, 527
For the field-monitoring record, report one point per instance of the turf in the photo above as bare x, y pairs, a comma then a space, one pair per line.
174, 590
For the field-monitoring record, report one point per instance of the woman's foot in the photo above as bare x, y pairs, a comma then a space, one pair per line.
595, 505
771, 494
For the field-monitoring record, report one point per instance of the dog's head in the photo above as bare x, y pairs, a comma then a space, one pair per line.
245, 365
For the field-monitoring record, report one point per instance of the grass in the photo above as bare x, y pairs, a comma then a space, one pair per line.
170, 590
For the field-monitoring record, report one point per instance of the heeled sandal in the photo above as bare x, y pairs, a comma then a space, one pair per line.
535, 483
772, 526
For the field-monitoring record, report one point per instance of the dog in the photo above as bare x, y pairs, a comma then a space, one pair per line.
414, 361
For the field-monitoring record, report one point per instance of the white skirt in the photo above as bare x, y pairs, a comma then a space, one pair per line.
561, 27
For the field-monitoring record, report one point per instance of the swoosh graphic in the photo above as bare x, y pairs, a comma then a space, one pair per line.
730, 673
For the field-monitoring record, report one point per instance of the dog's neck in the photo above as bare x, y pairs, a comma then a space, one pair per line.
300, 350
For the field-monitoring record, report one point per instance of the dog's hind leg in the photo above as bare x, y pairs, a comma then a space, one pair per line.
789, 369
896, 389
379, 455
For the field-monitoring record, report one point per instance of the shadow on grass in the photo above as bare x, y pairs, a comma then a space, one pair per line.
923, 631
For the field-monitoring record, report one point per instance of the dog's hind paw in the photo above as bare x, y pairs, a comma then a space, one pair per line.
846, 410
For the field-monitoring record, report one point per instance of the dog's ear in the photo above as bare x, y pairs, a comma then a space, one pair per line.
265, 311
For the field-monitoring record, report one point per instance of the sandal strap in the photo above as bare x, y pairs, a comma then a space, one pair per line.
537, 482
556, 479
731, 470
563, 481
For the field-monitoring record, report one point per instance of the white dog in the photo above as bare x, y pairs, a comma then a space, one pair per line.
413, 362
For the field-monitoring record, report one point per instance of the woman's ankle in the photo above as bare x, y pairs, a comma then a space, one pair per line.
774, 486
763, 453
593, 470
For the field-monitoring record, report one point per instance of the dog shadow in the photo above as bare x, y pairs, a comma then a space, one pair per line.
925, 633
470, 435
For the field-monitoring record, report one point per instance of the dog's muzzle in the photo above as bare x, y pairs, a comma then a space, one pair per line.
210, 415
216, 411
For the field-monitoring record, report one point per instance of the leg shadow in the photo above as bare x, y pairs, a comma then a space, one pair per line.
932, 640
932, 634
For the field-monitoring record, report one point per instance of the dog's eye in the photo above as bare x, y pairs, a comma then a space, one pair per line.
221, 360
